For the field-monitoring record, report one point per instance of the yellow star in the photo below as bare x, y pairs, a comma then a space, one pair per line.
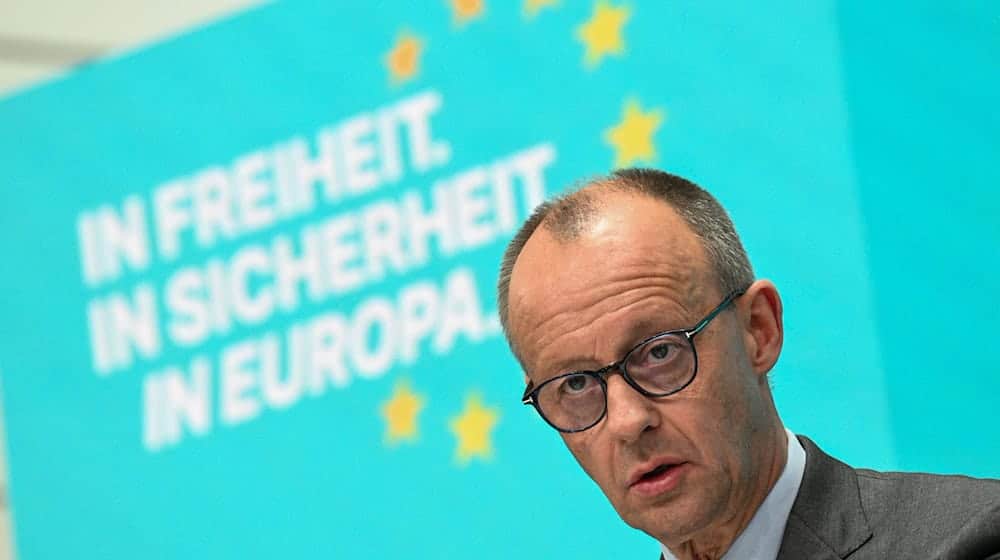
602, 33
403, 60
466, 10
532, 7
472, 428
400, 414
632, 138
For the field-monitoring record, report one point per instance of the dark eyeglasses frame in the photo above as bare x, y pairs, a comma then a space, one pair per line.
530, 396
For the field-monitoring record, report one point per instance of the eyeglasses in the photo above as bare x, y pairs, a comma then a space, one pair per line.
661, 365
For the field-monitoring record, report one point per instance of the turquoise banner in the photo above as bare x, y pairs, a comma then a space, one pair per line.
248, 294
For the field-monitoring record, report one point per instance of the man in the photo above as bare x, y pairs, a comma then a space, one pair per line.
644, 271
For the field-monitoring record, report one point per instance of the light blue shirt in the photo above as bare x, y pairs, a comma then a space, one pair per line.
761, 539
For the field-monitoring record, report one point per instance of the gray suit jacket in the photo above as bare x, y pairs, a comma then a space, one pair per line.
841, 512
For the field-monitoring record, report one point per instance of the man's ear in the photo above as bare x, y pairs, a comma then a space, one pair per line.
762, 325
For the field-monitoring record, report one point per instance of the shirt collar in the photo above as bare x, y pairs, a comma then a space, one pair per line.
761, 538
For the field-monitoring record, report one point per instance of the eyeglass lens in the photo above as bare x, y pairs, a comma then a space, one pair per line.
660, 366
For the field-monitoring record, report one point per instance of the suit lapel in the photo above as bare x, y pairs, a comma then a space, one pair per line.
827, 519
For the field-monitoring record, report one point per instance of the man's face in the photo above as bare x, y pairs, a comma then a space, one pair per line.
579, 305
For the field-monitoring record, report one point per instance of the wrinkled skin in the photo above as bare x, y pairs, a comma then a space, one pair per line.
636, 270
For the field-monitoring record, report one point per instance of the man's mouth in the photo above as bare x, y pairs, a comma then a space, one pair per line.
658, 480
655, 472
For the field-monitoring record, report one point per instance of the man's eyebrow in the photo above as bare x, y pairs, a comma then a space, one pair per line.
571, 365
634, 334
644, 328
568, 365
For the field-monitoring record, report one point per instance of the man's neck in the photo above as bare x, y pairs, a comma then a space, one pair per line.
714, 543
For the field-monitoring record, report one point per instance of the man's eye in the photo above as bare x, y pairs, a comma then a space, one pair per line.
660, 351
576, 383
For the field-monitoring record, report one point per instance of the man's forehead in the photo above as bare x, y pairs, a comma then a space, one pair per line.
623, 228
625, 233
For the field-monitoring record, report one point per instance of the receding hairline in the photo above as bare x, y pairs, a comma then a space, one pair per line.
573, 217
590, 206
568, 216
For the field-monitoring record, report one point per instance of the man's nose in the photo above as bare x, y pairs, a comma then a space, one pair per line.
629, 413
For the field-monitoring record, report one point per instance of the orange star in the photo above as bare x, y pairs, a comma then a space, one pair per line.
465, 11
602, 33
633, 137
473, 428
403, 60
400, 414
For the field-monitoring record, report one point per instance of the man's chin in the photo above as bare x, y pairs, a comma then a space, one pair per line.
675, 519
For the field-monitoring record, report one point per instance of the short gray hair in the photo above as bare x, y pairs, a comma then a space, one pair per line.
566, 217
